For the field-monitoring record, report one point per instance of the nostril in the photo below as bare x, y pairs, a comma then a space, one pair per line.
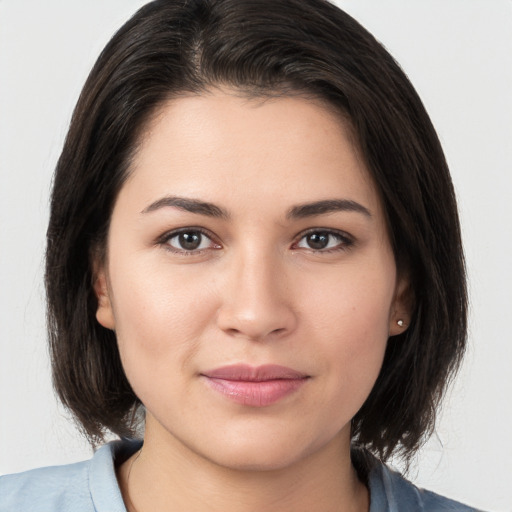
255, 333
253, 316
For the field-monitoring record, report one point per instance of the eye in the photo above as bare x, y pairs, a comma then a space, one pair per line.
189, 240
324, 241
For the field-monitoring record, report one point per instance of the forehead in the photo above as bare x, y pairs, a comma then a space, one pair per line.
287, 149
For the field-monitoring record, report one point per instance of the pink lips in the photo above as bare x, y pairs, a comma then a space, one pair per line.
255, 386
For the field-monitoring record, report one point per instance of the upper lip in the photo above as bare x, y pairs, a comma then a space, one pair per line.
248, 373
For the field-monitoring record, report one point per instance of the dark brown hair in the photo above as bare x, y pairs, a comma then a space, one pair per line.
263, 48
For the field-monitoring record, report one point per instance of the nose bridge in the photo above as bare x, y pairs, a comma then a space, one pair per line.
256, 301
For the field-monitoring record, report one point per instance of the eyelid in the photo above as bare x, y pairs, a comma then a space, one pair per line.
164, 239
346, 240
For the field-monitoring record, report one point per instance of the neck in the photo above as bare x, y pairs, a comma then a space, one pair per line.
166, 476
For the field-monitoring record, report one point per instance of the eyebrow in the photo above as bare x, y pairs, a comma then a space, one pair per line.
189, 205
300, 211
326, 206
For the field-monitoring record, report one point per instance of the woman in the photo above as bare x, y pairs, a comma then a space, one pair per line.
254, 256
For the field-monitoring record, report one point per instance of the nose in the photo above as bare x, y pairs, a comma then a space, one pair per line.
257, 302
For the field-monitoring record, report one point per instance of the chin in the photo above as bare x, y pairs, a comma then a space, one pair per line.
263, 453
262, 459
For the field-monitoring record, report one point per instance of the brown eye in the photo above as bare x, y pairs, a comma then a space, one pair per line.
324, 241
318, 241
190, 241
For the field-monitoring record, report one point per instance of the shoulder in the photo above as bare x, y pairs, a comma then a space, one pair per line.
88, 486
390, 491
49, 489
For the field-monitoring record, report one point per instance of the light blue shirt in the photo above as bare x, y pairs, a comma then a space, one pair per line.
91, 486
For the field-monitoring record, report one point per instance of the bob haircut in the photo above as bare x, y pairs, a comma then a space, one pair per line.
262, 48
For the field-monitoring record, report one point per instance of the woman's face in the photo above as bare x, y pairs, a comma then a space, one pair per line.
249, 279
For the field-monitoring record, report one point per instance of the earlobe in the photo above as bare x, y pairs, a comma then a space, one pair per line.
401, 310
104, 312
397, 326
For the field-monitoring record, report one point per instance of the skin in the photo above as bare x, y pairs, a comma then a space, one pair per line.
254, 292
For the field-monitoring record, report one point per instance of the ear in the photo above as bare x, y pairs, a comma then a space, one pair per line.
104, 313
402, 307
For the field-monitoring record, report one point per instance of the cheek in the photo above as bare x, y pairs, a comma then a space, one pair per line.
160, 317
349, 319
353, 302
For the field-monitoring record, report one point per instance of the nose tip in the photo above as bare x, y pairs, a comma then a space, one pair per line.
257, 305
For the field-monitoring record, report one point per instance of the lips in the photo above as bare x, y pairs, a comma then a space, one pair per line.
255, 386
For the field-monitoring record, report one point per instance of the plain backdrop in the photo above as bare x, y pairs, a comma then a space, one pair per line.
458, 54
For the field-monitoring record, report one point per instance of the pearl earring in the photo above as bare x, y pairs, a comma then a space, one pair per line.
400, 323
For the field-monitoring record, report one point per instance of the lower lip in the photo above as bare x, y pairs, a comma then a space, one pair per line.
255, 394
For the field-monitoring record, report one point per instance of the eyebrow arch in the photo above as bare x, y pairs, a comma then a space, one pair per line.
326, 206
189, 205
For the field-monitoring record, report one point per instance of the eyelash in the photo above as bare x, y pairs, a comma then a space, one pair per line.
345, 241
164, 240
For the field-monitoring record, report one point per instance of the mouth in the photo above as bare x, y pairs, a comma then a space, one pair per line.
255, 386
